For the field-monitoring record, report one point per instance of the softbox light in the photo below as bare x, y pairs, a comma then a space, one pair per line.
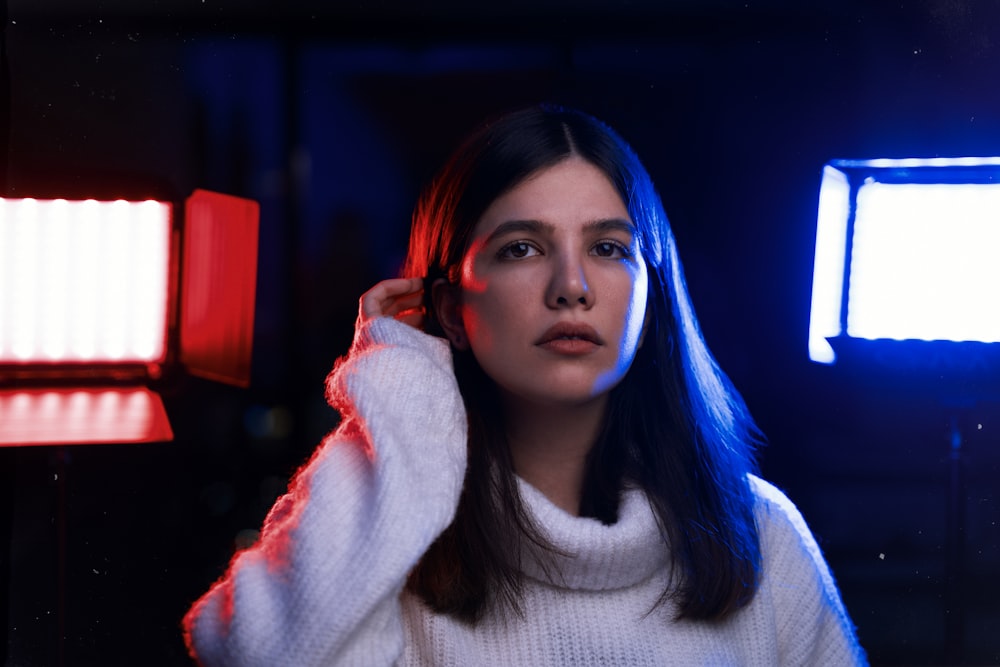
906, 252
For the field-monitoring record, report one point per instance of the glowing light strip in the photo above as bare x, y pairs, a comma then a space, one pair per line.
910, 162
924, 262
77, 416
828, 266
83, 281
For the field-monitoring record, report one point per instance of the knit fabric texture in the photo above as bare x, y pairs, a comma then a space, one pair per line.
324, 584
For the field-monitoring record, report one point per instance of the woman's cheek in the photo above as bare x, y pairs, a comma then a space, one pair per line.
478, 330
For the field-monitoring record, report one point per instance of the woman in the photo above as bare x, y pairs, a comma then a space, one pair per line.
539, 461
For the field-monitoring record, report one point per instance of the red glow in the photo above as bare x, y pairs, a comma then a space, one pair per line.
82, 416
218, 288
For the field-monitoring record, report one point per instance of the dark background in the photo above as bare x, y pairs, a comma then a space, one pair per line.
332, 115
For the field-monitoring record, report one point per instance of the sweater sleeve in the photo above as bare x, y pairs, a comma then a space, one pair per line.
812, 624
322, 584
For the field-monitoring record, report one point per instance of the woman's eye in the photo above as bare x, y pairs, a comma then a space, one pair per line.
612, 249
517, 250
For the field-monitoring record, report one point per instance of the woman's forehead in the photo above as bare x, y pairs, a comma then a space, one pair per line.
571, 192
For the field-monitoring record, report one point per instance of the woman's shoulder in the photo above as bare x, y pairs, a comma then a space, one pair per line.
801, 585
777, 516
769, 497
787, 543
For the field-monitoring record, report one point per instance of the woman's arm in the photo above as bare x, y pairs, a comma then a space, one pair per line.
323, 583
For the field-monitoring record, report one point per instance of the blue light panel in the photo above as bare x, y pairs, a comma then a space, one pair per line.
919, 242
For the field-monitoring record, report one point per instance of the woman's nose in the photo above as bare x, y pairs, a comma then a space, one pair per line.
569, 286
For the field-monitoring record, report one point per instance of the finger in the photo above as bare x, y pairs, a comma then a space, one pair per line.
382, 298
402, 304
393, 305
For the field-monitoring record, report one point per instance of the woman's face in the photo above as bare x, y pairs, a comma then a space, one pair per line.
553, 287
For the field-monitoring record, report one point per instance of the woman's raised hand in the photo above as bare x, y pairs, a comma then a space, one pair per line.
401, 298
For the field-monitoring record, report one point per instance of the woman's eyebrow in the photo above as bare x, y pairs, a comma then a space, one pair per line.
538, 227
520, 226
613, 224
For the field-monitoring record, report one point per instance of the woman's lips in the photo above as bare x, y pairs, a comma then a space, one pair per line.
569, 346
570, 338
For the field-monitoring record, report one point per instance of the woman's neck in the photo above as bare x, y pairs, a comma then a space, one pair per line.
549, 445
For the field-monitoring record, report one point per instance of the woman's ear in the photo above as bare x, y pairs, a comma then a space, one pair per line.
446, 303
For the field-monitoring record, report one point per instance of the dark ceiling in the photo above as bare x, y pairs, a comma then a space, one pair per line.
534, 16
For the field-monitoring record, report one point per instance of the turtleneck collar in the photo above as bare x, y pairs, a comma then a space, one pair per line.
594, 556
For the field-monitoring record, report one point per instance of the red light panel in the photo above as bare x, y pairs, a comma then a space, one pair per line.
83, 281
219, 286
82, 416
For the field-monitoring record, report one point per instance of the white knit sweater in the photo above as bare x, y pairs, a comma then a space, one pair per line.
324, 585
